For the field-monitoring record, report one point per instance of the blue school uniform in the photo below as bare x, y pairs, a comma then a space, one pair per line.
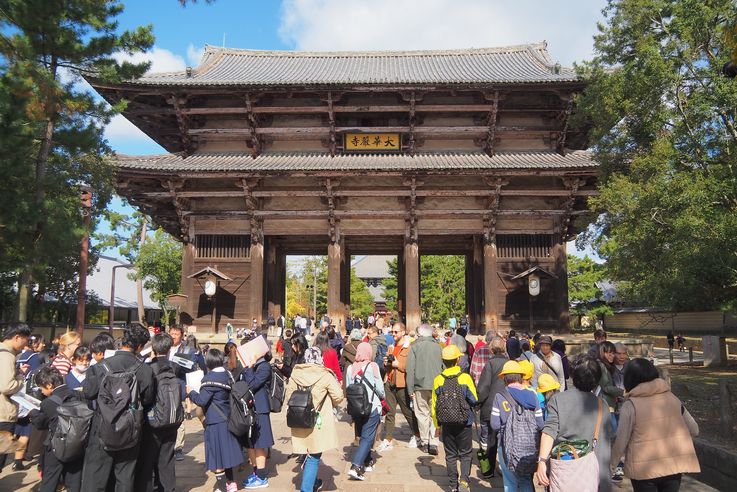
258, 378
72, 382
222, 449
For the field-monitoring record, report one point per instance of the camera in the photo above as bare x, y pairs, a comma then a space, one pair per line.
390, 358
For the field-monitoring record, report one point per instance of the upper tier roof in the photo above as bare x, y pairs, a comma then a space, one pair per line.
529, 63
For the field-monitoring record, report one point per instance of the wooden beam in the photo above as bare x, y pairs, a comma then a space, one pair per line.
428, 130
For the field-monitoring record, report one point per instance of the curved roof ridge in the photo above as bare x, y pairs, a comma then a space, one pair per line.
539, 47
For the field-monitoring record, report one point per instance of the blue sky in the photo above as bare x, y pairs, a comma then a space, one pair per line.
181, 33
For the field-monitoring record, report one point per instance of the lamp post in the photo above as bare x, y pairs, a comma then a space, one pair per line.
86, 202
111, 308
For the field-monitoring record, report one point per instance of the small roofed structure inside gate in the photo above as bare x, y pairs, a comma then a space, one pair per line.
408, 153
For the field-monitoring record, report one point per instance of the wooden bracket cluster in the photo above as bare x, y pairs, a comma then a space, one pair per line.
252, 126
179, 103
410, 221
179, 206
492, 207
564, 117
333, 143
572, 185
491, 122
252, 206
333, 222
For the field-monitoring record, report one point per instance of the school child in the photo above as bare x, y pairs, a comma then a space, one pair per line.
547, 387
27, 365
258, 377
81, 360
528, 370
98, 346
158, 442
455, 429
222, 451
51, 383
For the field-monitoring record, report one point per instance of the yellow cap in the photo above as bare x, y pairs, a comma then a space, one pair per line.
546, 383
511, 367
451, 352
527, 369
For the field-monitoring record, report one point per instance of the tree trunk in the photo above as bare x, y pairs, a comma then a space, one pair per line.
139, 280
24, 284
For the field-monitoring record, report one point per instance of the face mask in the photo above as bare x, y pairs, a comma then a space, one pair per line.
81, 368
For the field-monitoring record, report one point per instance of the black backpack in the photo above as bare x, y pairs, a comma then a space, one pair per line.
301, 412
277, 390
69, 439
451, 406
168, 411
357, 397
120, 409
240, 405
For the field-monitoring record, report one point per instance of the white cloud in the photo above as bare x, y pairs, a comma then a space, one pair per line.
120, 128
194, 55
162, 60
330, 25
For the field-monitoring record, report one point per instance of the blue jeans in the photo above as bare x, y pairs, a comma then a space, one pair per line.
309, 474
367, 428
512, 481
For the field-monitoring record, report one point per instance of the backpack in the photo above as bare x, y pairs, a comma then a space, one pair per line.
451, 406
301, 412
381, 350
359, 403
520, 439
277, 390
242, 416
168, 410
120, 409
69, 439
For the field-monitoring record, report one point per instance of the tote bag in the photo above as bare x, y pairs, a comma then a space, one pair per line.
580, 473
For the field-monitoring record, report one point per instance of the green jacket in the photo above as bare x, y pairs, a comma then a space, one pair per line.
609, 391
424, 363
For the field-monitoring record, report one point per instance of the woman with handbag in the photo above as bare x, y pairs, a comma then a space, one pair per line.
310, 373
578, 432
655, 432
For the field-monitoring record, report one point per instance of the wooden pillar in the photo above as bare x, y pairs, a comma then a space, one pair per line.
257, 280
282, 283
336, 259
491, 287
561, 285
188, 284
477, 286
412, 285
345, 288
272, 281
401, 303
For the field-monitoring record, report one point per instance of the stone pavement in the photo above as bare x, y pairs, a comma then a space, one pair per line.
400, 469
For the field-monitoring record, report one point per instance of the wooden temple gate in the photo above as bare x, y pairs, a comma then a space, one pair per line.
409, 153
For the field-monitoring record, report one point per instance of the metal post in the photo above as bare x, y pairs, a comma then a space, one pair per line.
670, 353
86, 199
111, 308
690, 354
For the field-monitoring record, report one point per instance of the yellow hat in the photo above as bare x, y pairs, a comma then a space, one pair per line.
546, 383
451, 352
511, 367
527, 369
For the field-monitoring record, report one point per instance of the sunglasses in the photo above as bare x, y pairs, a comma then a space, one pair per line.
396, 332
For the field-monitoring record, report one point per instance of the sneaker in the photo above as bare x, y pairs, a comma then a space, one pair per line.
249, 479
432, 450
356, 473
369, 465
318, 485
178, 455
257, 483
232, 487
412, 442
384, 446
18, 466
463, 486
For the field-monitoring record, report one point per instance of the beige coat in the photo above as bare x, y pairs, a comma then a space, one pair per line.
655, 434
324, 438
10, 384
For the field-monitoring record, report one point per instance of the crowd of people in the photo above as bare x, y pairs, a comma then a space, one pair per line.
111, 412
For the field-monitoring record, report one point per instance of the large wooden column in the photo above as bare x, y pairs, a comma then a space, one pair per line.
187, 284
272, 280
257, 278
412, 285
336, 260
561, 285
475, 269
345, 288
401, 303
491, 286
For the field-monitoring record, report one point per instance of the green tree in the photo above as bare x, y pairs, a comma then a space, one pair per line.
159, 264
663, 127
584, 292
443, 286
362, 302
45, 46
391, 285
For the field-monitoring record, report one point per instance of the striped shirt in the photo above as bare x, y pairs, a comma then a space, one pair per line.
62, 364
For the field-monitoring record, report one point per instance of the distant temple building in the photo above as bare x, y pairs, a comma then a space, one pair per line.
373, 270
276, 153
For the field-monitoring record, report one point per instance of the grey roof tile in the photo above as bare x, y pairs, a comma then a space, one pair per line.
279, 162
528, 63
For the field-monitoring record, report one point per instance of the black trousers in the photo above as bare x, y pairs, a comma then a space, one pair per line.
671, 483
99, 464
398, 397
155, 464
54, 470
492, 444
458, 443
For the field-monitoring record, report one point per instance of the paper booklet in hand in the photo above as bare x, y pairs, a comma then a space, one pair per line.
250, 352
194, 379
